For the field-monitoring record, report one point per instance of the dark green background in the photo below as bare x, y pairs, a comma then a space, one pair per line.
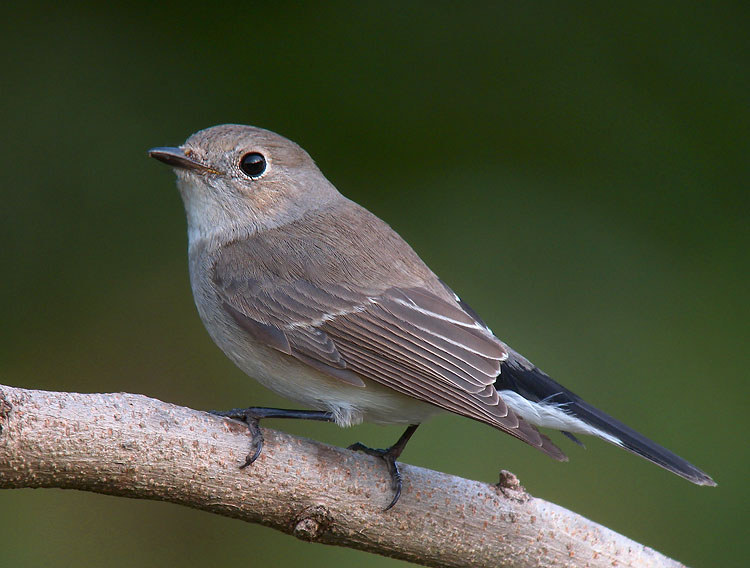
578, 174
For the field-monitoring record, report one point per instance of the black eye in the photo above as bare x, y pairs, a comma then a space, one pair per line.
253, 164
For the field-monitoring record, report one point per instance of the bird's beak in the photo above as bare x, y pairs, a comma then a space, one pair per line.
177, 158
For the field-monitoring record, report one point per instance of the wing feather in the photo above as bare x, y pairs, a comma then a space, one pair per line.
418, 339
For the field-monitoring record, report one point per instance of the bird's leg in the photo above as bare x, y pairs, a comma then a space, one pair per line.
253, 415
390, 455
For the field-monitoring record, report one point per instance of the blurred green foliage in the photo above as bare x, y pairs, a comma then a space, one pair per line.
579, 174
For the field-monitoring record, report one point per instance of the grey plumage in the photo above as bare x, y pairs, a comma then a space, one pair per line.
383, 317
324, 303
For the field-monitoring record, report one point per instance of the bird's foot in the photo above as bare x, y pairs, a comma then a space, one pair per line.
253, 415
390, 455
390, 460
253, 425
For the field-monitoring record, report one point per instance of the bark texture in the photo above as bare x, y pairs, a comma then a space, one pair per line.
134, 446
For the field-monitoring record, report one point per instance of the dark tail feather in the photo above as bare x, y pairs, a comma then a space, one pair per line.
639, 444
518, 375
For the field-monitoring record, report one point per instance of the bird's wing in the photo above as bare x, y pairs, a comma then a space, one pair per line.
407, 338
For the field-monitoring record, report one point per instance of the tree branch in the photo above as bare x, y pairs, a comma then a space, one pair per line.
134, 446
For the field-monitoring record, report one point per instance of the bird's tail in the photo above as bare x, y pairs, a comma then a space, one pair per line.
540, 400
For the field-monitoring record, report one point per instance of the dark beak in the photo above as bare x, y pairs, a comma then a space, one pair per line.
176, 158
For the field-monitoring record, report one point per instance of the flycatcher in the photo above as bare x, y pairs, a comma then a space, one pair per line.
323, 303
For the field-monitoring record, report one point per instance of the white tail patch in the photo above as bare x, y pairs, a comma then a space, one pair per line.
552, 415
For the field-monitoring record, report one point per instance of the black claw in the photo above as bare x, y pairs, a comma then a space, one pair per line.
389, 455
253, 415
257, 434
252, 421
396, 480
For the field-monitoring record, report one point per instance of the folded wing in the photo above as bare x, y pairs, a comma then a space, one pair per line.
406, 338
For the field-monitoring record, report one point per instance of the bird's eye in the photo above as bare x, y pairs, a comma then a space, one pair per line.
253, 164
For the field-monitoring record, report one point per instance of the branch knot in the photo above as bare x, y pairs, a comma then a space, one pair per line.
312, 522
511, 487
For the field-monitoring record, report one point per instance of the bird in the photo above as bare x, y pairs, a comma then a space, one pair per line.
322, 302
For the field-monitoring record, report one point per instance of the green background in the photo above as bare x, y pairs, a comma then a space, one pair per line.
577, 173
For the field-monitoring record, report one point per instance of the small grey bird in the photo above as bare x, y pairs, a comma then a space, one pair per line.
323, 303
